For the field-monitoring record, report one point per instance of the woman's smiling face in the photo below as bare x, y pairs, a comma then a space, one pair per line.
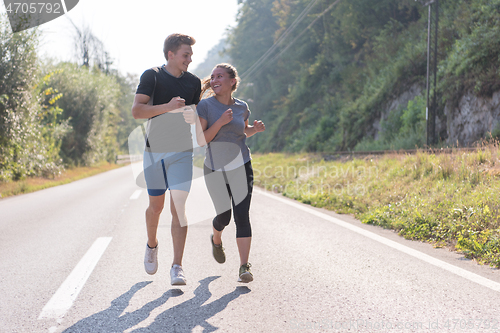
220, 81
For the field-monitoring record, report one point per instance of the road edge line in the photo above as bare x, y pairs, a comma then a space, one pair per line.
395, 245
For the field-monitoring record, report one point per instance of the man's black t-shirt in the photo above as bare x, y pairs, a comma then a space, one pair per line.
169, 132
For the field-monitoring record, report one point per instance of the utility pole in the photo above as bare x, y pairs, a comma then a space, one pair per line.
431, 106
434, 96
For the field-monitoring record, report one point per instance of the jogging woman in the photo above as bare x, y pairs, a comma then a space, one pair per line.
228, 168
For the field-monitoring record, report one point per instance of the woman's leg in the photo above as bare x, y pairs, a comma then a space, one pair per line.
218, 225
244, 248
242, 209
220, 195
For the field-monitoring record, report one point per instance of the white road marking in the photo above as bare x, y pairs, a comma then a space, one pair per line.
136, 195
64, 297
414, 253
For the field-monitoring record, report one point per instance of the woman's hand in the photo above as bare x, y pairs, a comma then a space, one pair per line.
226, 117
259, 126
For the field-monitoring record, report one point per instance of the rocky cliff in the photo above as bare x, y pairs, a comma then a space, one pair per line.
472, 119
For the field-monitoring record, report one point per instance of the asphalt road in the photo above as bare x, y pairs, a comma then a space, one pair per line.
71, 260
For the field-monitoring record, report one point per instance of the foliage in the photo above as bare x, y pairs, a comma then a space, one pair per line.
29, 131
56, 115
125, 122
89, 102
448, 199
402, 129
473, 61
326, 84
90, 50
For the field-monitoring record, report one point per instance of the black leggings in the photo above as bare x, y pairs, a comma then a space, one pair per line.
234, 188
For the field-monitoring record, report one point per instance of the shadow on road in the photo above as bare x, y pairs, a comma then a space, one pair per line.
180, 318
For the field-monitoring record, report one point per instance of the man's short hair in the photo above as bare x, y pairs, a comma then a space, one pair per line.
174, 42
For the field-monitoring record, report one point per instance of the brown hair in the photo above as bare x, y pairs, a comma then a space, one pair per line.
233, 74
174, 42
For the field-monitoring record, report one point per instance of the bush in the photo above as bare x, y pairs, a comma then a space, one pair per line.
89, 102
402, 129
28, 145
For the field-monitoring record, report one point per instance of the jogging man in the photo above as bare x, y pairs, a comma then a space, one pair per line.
163, 97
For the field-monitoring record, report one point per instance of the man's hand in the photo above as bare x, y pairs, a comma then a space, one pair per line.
189, 115
259, 126
176, 103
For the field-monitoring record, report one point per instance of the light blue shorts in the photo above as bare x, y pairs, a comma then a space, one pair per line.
173, 171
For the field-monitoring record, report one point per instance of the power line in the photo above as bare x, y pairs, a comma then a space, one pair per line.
280, 39
294, 40
303, 31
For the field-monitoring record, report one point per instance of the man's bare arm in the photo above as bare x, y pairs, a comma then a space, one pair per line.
142, 110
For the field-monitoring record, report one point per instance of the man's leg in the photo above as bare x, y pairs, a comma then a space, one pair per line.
153, 217
179, 223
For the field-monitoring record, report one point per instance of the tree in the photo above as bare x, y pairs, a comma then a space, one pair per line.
89, 102
90, 50
126, 122
27, 148
321, 88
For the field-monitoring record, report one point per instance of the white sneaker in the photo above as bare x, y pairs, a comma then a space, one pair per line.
177, 276
151, 260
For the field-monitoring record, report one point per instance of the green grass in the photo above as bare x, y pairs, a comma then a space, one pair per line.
28, 185
449, 200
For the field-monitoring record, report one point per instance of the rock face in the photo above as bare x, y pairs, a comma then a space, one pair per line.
473, 119
404, 98
400, 101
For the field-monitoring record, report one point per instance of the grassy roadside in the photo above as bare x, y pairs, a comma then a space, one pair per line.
35, 184
450, 200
